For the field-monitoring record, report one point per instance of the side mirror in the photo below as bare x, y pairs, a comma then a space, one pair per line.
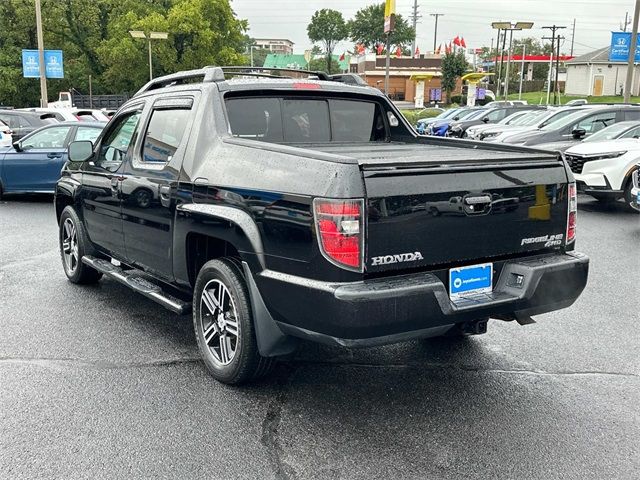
578, 133
17, 146
80, 151
456, 118
485, 119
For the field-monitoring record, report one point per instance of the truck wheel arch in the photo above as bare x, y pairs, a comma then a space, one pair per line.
236, 235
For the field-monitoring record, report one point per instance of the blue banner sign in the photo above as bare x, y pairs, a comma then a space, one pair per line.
619, 50
52, 62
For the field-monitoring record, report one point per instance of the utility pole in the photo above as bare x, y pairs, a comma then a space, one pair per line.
44, 102
573, 35
555, 83
553, 29
414, 21
626, 22
435, 31
632, 54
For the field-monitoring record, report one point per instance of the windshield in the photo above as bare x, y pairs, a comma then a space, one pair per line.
473, 114
610, 133
530, 118
513, 119
449, 113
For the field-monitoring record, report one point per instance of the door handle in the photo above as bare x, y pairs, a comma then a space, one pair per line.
54, 155
165, 195
115, 186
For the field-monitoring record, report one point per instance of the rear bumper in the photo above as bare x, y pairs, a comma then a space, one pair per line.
388, 310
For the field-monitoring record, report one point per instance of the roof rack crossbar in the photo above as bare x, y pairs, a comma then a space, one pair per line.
254, 74
208, 74
320, 75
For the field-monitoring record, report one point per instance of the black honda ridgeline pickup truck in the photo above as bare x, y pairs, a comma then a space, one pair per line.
278, 209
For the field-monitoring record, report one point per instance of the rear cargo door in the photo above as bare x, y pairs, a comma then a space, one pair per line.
425, 216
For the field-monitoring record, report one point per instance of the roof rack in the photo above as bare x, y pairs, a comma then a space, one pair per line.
219, 74
233, 69
208, 74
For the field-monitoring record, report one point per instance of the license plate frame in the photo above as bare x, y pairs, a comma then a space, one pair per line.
470, 280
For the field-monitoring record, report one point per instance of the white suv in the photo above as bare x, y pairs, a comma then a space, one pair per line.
603, 164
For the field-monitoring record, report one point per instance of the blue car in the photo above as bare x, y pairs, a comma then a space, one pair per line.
33, 164
423, 124
440, 128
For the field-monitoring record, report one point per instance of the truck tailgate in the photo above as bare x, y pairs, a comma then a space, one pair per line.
424, 212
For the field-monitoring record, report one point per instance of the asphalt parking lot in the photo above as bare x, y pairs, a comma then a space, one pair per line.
97, 382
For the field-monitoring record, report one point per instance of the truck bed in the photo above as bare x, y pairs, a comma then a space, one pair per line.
416, 154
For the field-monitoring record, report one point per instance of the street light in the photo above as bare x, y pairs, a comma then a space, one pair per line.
152, 36
510, 27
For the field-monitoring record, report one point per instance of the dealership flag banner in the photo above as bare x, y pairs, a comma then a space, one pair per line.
619, 50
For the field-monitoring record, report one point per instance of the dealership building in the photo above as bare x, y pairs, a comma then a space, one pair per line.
594, 74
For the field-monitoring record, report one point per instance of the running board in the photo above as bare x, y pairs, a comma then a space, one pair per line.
136, 281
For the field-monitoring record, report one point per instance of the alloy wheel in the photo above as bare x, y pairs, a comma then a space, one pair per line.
70, 246
219, 322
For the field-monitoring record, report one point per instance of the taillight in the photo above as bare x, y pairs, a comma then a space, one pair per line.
340, 226
572, 212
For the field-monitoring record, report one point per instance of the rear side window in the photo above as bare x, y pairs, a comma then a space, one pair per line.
164, 134
304, 120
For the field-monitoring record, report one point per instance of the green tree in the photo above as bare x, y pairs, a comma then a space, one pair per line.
454, 65
327, 27
320, 65
94, 36
367, 28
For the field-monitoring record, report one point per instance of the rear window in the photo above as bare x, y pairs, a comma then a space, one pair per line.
303, 120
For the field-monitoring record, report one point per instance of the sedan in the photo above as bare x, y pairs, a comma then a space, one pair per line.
33, 164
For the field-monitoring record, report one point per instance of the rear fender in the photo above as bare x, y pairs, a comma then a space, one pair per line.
232, 225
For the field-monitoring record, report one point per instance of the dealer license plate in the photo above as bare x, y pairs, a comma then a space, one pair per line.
470, 280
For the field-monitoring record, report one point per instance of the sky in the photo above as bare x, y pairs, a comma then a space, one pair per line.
595, 19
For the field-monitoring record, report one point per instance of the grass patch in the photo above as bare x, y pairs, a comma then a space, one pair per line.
537, 98
415, 114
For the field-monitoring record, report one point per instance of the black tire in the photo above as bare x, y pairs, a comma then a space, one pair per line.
627, 196
240, 361
76, 271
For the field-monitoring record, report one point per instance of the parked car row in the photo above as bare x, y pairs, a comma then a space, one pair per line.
601, 142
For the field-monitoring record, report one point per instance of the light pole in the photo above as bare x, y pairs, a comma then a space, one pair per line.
152, 36
510, 27
43, 75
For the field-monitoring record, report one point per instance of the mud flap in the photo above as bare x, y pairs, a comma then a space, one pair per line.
271, 341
